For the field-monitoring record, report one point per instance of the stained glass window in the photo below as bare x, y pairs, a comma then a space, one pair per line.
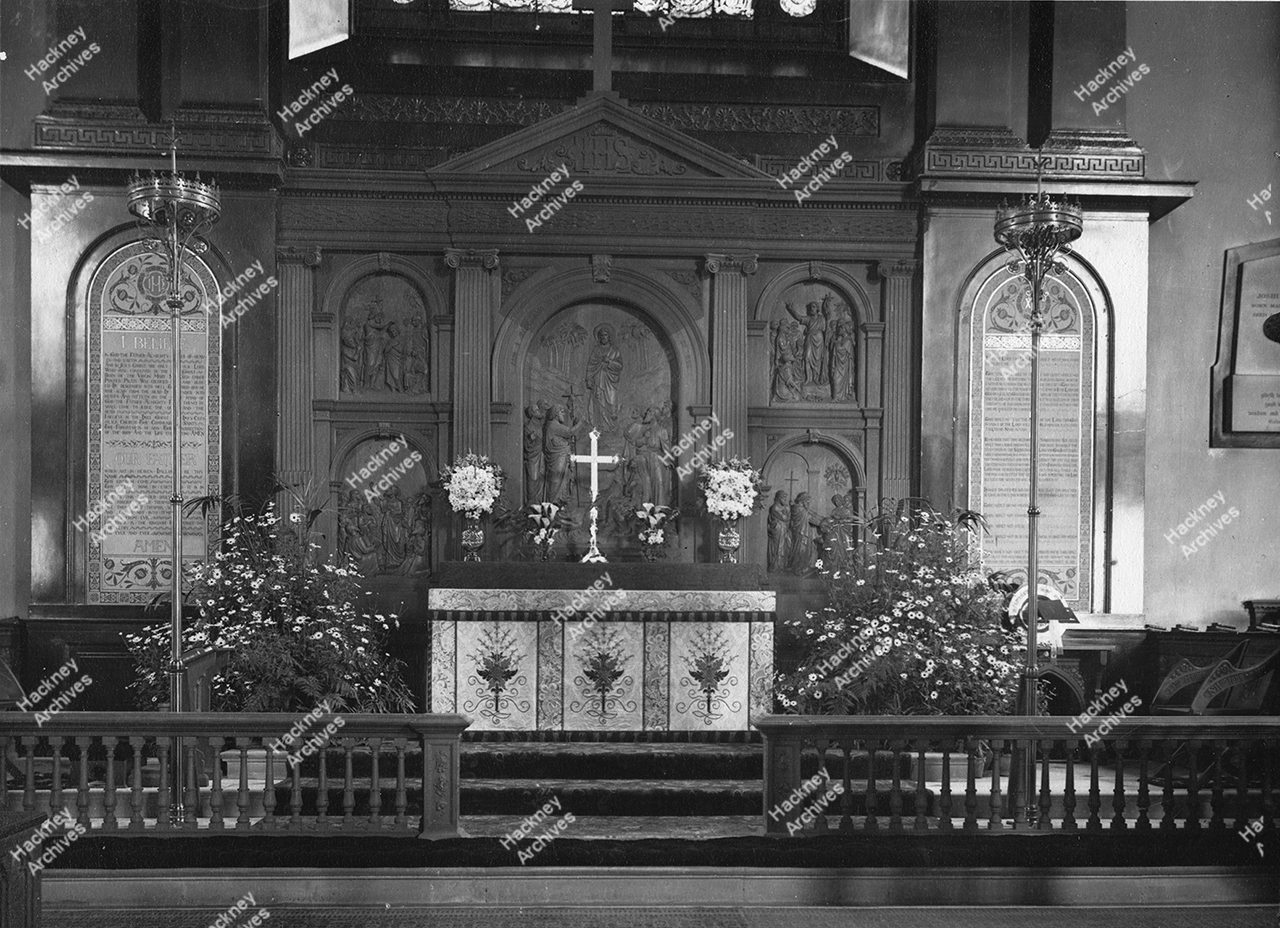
677, 9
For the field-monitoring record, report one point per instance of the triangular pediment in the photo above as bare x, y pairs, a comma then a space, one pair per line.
601, 137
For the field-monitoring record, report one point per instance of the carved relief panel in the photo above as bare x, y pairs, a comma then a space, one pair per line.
384, 508
385, 339
810, 509
813, 356
596, 366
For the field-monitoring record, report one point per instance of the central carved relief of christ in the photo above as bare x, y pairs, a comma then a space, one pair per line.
603, 367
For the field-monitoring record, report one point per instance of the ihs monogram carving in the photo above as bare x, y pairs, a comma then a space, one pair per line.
602, 149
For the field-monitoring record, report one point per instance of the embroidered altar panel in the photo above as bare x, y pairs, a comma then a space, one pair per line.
556, 668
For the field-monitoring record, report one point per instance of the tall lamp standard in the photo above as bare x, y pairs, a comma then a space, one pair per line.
174, 211
1037, 233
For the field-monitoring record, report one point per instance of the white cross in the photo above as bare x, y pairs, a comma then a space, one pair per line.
595, 459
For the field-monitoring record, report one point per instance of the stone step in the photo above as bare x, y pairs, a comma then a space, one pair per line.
570, 760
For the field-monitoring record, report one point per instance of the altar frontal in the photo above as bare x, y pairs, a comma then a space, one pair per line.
602, 658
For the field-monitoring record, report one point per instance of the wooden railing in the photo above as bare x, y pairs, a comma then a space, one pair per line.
1183, 774
379, 774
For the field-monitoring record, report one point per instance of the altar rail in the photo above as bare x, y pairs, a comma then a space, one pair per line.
1199, 771
89, 758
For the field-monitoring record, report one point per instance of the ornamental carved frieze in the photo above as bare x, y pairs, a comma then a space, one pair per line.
223, 132
603, 149
979, 151
865, 171
686, 117
789, 120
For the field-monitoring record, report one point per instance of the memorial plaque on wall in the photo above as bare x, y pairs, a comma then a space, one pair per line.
128, 526
1246, 375
999, 431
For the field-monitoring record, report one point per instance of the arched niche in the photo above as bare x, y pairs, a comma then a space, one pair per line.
385, 507
384, 308
604, 367
538, 357
993, 418
814, 316
832, 475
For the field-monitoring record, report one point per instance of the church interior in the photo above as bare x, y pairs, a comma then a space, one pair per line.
540, 400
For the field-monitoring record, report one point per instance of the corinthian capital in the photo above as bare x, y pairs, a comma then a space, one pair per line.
744, 264
486, 258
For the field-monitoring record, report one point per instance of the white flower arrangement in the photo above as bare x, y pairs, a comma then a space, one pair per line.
473, 483
731, 488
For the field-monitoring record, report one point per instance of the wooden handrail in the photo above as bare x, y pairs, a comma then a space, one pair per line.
83, 754
1005, 726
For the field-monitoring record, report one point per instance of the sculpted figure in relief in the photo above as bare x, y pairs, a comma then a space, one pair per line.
557, 446
786, 376
535, 417
779, 548
604, 370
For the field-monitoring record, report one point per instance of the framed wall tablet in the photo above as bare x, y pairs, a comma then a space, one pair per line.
1245, 409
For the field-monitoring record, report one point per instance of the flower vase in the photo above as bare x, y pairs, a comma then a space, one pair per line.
544, 550
729, 541
472, 537
649, 551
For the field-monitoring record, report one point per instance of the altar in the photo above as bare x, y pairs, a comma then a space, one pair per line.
602, 647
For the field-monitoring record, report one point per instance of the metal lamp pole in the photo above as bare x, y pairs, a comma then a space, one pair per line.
175, 211
1037, 233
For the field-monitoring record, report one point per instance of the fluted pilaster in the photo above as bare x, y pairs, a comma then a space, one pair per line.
475, 302
295, 384
899, 376
729, 369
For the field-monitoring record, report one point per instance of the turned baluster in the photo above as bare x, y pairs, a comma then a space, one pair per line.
269, 822
994, 805
375, 784
971, 788
846, 794
895, 788
1046, 796
242, 794
921, 804
295, 795
1193, 789
55, 793
137, 812
1217, 799
109, 820
1144, 788
1242, 786
82, 793
1021, 799
1168, 812
1118, 803
348, 788
1095, 793
164, 797
214, 747
871, 823
824, 767
1069, 746
402, 798
322, 793
29, 779
191, 795
944, 801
